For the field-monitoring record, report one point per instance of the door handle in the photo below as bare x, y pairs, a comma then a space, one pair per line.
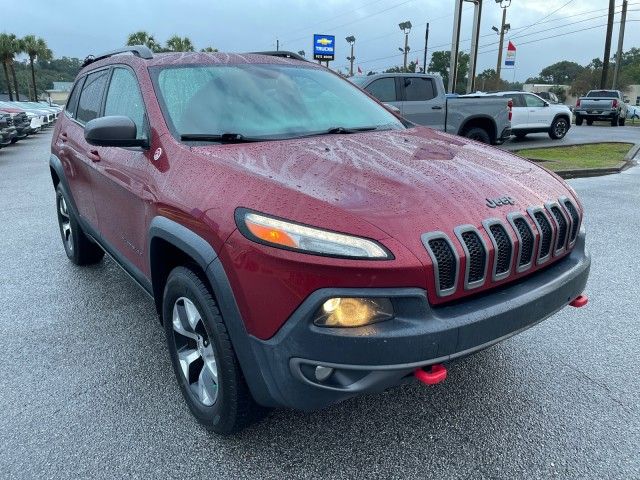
94, 156
436, 107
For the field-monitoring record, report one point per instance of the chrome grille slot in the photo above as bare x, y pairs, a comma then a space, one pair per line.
445, 262
476, 256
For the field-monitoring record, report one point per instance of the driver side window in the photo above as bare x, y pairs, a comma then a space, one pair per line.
124, 98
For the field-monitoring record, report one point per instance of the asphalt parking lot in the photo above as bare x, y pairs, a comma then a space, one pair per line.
600, 132
87, 390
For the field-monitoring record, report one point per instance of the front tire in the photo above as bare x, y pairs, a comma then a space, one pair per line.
80, 249
479, 135
559, 128
204, 362
521, 135
589, 122
622, 122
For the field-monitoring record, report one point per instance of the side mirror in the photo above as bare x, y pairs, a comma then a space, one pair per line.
546, 104
392, 108
113, 131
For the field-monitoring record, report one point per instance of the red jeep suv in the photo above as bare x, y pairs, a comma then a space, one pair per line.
301, 242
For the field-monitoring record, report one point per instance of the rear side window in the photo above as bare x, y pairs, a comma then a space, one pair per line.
124, 98
91, 96
534, 101
419, 89
72, 103
518, 100
383, 89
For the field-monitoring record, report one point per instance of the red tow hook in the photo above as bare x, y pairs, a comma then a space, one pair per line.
437, 374
580, 302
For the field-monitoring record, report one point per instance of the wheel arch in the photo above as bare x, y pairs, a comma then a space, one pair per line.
562, 115
170, 245
480, 121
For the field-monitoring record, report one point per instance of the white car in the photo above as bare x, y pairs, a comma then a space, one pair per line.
532, 114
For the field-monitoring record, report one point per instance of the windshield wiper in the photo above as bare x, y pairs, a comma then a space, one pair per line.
344, 130
223, 137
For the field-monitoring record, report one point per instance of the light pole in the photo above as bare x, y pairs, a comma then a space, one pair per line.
406, 29
351, 40
504, 4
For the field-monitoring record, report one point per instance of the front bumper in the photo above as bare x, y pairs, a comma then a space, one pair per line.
377, 357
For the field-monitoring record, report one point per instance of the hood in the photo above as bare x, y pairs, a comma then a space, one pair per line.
405, 183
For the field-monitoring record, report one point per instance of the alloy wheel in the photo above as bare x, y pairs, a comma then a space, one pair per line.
561, 128
196, 353
65, 223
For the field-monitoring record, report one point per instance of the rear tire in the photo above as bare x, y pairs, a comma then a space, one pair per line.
479, 135
622, 121
579, 120
559, 128
80, 249
614, 121
589, 122
203, 358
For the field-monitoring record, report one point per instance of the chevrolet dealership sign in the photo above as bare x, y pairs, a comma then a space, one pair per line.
324, 47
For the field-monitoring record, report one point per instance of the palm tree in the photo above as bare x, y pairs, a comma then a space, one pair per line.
144, 38
177, 44
209, 50
35, 48
10, 46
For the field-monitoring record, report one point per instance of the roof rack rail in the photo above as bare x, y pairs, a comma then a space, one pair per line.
140, 51
282, 54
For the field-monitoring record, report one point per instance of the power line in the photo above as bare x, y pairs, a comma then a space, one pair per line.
356, 20
550, 15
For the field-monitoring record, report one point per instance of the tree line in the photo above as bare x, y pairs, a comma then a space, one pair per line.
41, 69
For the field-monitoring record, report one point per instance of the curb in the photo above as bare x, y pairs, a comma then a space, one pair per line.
629, 161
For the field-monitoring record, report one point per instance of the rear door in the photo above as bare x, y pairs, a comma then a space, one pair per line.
421, 103
540, 115
122, 174
384, 89
520, 118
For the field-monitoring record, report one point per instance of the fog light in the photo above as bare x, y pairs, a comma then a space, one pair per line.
354, 312
323, 373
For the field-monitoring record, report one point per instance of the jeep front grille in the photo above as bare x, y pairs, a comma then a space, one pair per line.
531, 240
475, 254
575, 219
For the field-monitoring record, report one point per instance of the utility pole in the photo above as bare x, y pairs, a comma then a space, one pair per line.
623, 21
607, 45
277, 44
406, 29
475, 40
455, 46
426, 46
351, 40
503, 29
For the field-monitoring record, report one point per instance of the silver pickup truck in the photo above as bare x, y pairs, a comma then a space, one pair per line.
602, 105
422, 99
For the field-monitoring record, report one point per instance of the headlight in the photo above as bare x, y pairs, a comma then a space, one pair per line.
293, 236
353, 312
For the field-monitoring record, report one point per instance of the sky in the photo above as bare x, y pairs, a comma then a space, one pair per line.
77, 28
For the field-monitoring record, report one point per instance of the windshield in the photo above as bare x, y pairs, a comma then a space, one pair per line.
603, 94
264, 102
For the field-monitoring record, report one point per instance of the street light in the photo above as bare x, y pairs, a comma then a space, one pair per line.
351, 40
406, 29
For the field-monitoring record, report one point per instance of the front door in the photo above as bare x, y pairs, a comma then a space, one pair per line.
539, 113
122, 174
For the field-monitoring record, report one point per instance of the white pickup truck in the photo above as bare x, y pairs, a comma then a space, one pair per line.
602, 105
422, 99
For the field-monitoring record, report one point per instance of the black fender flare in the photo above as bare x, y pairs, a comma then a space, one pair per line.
203, 254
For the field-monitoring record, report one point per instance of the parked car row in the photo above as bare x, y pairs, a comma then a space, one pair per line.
20, 119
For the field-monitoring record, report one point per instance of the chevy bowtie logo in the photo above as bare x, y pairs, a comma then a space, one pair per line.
324, 41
